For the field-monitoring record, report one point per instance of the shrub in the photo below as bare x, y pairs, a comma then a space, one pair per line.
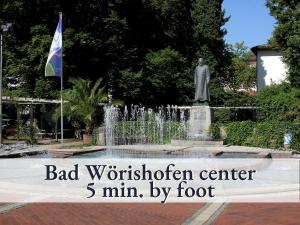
214, 131
295, 130
222, 115
82, 101
238, 132
267, 134
279, 102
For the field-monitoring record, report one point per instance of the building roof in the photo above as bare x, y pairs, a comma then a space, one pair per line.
260, 47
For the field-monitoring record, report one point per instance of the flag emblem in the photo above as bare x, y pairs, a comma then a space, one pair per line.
54, 61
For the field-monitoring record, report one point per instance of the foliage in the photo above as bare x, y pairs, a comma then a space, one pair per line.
44, 89
215, 131
163, 79
26, 64
222, 115
126, 42
83, 100
279, 102
237, 98
238, 132
240, 74
295, 131
134, 80
280, 110
174, 24
238, 79
25, 132
208, 20
231, 98
286, 35
266, 134
243, 76
95, 136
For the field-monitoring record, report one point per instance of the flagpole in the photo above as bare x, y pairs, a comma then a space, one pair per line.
61, 92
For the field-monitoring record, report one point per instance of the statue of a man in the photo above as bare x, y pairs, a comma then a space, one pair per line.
202, 78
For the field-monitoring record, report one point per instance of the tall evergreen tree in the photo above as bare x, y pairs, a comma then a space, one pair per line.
174, 24
208, 19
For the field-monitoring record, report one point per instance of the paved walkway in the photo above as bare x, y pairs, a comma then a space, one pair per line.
148, 214
99, 214
151, 214
260, 214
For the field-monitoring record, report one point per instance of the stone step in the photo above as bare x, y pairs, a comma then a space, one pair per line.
196, 143
61, 152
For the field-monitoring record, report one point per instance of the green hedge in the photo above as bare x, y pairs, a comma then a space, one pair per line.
267, 134
239, 132
278, 113
215, 131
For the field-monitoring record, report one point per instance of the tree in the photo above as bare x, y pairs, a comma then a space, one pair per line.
118, 39
27, 63
174, 24
118, 54
83, 100
280, 102
163, 79
208, 19
240, 74
286, 36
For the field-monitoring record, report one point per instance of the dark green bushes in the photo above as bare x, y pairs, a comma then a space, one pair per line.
266, 134
238, 132
280, 102
215, 131
278, 113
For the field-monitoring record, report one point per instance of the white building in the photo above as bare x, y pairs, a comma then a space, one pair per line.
270, 69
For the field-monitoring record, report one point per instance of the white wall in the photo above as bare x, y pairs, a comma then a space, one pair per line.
270, 68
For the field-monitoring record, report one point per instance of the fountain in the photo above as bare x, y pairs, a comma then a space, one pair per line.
138, 125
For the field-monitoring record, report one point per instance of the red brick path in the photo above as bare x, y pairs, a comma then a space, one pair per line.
260, 214
94, 214
148, 214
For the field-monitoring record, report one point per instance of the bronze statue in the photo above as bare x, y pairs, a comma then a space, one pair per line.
202, 78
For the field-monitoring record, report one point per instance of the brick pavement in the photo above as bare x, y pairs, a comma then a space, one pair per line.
148, 214
94, 214
260, 214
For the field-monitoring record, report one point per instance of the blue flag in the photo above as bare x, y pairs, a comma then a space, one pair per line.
54, 61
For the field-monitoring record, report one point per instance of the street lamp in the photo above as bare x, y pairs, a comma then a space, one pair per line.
3, 28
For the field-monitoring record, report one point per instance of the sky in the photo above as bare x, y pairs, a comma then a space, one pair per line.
250, 22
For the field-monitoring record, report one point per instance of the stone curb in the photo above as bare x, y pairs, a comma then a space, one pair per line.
11, 206
206, 215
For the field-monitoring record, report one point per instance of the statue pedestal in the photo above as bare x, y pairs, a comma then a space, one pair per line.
199, 123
